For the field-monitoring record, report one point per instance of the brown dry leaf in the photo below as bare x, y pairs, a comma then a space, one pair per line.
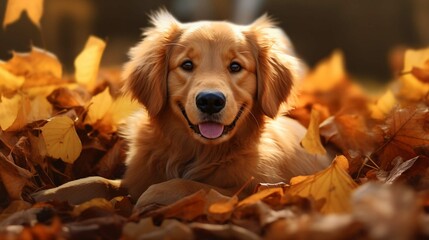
9, 82
88, 61
64, 97
383, 106
9, 109
61, 139
311, 141
333, 186
14, 9
405, 129
350, 133
13, 177
39, 67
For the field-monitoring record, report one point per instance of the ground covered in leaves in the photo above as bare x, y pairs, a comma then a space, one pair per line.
56, 128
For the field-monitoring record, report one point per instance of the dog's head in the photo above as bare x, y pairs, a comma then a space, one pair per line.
211, 75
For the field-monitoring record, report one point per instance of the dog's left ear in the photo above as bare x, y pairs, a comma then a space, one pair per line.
145, 75
277, 66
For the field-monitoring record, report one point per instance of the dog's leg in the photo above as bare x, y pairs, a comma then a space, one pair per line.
82, 190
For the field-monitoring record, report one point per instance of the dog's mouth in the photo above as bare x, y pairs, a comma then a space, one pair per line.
211, 130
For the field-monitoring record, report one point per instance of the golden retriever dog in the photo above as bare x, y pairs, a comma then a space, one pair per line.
213, 93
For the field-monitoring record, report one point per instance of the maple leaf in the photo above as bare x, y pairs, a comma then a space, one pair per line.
405, 129
61, 139
333, 186
88, 61
311, 141
14, 8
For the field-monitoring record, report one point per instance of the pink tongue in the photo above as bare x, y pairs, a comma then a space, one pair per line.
211, 130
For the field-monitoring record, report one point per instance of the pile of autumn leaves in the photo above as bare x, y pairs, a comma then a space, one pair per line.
56, 128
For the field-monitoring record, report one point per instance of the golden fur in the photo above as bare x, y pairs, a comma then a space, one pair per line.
262, 144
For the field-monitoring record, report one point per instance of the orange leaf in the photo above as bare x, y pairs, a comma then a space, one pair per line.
405, 129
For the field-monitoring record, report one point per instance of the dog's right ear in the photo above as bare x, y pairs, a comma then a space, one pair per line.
145, 75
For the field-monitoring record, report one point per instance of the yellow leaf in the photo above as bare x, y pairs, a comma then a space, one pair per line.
61, 139
9, 81
88, 62
383, 106
332, 186
261, 195
408, 87
121, 108
415, 58
98, 106
9, 110
15, 8
41, 109
327, 74
24, 109
39, 67
311, 141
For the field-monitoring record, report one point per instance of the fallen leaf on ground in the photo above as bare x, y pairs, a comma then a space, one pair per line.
61, 139
9, 108
332, 185
311, 141
405, 129
13, 177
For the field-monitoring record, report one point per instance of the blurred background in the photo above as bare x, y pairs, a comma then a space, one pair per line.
370, 33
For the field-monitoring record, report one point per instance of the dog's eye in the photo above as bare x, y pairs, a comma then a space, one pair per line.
234, 67
187, 65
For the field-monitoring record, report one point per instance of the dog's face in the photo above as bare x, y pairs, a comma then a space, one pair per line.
212, 76
212, 80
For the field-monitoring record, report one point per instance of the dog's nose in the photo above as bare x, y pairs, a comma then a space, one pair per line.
210, 102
